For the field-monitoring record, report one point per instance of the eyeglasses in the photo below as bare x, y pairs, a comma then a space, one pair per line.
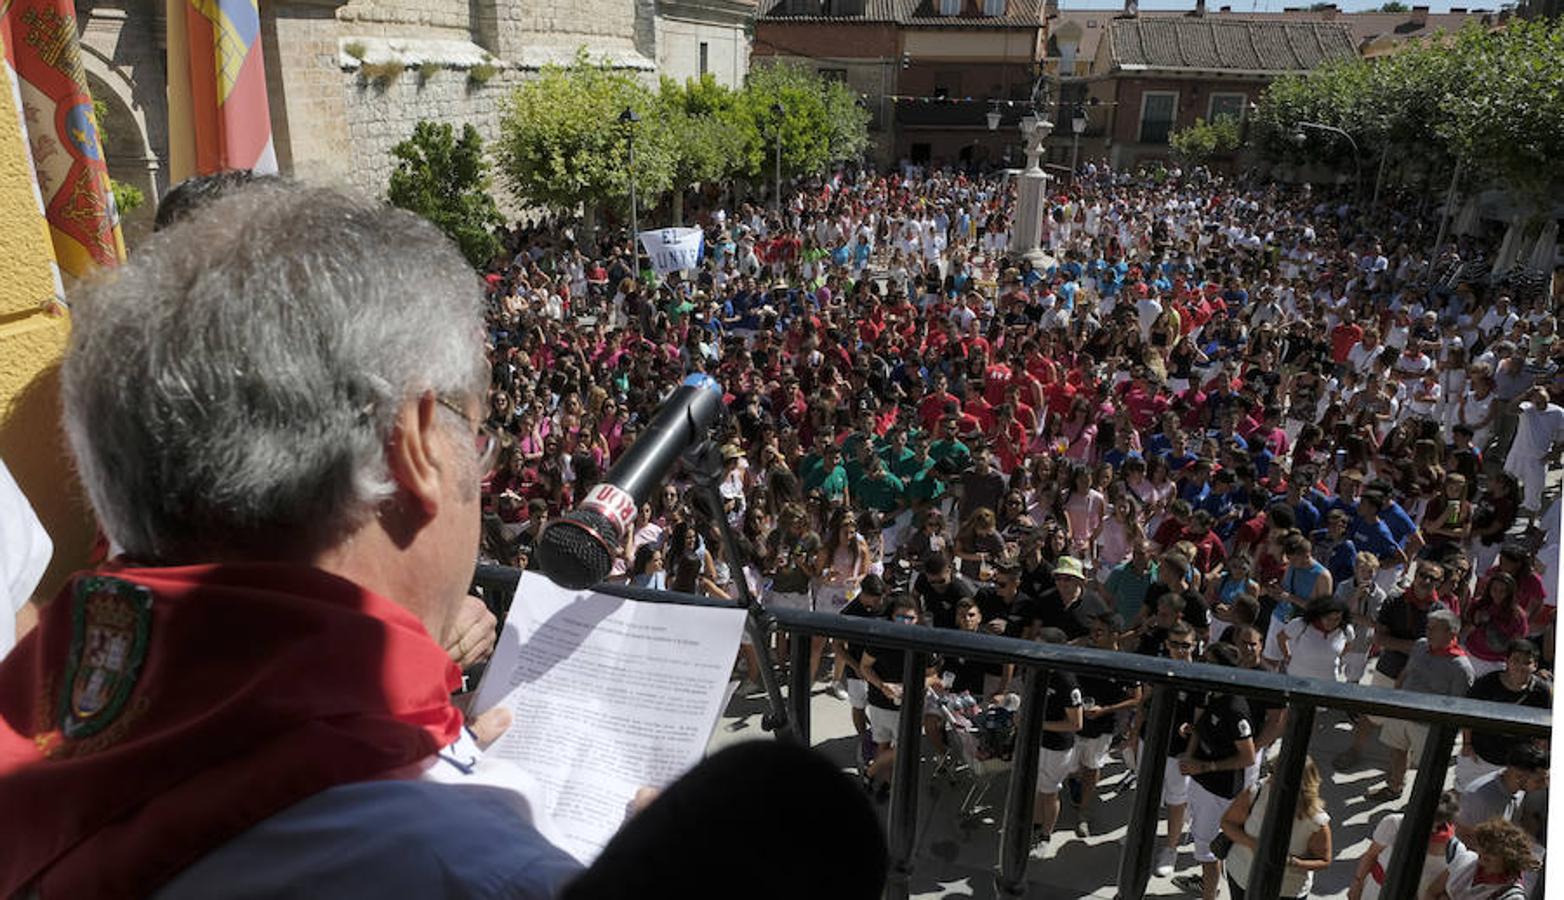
1181, 645
485, 442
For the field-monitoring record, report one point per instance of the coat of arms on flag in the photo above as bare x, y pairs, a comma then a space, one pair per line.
44, 56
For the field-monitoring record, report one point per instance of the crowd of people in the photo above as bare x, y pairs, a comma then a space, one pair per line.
1229, 421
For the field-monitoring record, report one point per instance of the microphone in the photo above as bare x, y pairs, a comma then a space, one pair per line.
577, 550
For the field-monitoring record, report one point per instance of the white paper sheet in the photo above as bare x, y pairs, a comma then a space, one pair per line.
609, 695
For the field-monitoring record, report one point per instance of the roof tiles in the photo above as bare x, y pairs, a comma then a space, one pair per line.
1218, 44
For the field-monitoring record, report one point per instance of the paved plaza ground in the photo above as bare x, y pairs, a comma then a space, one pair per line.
953, 862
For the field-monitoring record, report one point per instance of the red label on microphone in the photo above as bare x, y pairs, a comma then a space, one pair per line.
611, 503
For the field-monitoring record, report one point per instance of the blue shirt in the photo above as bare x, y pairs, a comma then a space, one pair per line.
1116, 457
1306, 516
1401, 525
373, 839
1375, 537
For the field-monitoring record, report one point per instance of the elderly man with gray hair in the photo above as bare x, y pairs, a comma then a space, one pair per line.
1436, 664
276, 409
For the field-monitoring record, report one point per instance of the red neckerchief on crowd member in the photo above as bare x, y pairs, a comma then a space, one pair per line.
1452, 649
154, 714
1441, 835
1481, 877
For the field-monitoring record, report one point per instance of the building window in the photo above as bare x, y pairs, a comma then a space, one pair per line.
947, 84
1157, 111
993, 7
1227, 105
833, 74
705, 57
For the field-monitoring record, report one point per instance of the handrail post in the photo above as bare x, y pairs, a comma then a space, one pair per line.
1015, 837
1140, 841
1281, 805
902, 825
799, 682
1406, 863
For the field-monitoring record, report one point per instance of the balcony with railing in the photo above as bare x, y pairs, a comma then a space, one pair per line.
1014, 871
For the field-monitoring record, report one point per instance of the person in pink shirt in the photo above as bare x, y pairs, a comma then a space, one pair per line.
1084, 510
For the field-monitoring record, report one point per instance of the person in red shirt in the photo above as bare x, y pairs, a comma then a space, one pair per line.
1344, 337
995, 381
978, 407
933, 406
1144, 401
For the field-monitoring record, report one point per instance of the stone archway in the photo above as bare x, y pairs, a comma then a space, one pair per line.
127, 153
122, 58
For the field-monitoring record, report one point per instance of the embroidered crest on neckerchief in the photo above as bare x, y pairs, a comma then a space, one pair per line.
110, 621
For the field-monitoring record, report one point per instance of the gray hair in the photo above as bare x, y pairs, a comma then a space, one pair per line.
234, 385
1446, 618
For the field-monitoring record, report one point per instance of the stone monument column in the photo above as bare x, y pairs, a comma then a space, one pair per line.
1031, 189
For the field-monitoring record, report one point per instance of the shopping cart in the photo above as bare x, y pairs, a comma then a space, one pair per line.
981, 739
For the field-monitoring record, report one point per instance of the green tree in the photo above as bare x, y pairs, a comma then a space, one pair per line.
820, 122
706, 143
1506, 117
1204, 140
445, 179
127, 196
562, 145
1491, 99
1394, 6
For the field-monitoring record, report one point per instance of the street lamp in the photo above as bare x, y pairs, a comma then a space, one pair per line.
777, 110
1078, 126
1300, 139
994, 117
628, 119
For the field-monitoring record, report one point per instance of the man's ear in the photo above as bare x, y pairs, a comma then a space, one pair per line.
414, 453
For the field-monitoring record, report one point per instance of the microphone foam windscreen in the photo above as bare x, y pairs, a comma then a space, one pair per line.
574, 551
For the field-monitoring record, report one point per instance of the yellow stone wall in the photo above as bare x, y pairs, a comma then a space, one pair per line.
32, 338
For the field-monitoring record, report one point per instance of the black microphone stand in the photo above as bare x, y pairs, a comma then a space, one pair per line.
703, 462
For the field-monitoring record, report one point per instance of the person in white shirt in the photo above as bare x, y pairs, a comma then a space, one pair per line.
1362, 355
1314, 643
25, 550
1537, 432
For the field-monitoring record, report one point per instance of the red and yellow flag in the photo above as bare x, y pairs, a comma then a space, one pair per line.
218, 116
44, 56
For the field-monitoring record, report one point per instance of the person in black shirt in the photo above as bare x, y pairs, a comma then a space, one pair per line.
1074, 611
1037, 573
938, 590
1179, 646
956, 675
1266, 720
1402, 620
1103, 700
1000, 604
1220, 750
1062, 718
1151, 635
869, 604
1485, 752
882, 669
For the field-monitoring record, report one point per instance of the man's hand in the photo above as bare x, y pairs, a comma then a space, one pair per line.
487, 728
470, 639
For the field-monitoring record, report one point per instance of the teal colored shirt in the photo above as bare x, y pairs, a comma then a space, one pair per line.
833, 483
883, 493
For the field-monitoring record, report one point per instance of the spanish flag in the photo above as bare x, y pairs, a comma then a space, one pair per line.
218, 118
44, 58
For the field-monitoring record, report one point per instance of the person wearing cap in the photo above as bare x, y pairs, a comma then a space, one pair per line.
1069, 608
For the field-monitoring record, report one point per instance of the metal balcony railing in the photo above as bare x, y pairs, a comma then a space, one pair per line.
1303, 697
